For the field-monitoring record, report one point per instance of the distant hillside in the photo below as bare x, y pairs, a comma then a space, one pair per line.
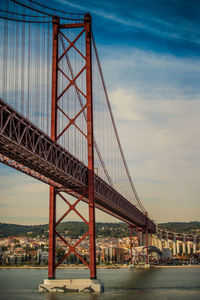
17, 230
71, 229
75, 229
189, 227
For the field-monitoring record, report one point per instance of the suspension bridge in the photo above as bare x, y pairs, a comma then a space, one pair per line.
56, 121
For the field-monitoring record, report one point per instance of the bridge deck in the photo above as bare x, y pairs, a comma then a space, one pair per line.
23, 142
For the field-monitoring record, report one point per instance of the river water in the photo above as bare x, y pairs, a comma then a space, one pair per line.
120, 284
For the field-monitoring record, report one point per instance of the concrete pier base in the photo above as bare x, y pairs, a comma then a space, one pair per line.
142, 266
71, 285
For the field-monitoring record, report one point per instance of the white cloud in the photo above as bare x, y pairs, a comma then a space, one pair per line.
161, 143
153, 76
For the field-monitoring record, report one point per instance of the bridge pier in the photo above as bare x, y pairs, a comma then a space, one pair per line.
160, 240
183, 244
174, 244
131, 244
189, 247
194, 244
178, 247
166, 240
71, 285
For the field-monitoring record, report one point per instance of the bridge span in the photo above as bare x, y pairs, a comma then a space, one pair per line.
26, 144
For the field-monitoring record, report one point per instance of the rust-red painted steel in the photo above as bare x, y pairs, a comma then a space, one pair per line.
52, 196
147, 239
54, 80
131, 243
52, 233
91, 197
75, 25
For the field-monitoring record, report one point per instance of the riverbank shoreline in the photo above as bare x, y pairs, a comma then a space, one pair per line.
184, 266
63, 267
99, 267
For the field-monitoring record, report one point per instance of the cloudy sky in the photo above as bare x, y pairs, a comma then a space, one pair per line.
150, 56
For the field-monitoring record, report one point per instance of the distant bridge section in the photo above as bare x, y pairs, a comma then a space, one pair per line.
33, 150
179, 242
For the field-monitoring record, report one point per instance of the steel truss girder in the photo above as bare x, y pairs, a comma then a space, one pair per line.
29, 146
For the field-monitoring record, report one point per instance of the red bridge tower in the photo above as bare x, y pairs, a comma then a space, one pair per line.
55, 135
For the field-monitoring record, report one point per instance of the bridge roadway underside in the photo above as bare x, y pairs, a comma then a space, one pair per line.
29, 147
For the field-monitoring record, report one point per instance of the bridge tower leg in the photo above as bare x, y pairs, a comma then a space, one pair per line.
52, 198
147, 245
90, 147
131, 243
147, 239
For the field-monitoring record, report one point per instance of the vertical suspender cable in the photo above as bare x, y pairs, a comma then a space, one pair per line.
22, 66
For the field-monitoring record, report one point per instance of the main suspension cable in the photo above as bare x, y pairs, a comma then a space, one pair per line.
115, 129
44, 13
24, 15
54, 9
25, 21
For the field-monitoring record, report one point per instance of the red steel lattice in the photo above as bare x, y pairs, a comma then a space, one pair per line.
56, 135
